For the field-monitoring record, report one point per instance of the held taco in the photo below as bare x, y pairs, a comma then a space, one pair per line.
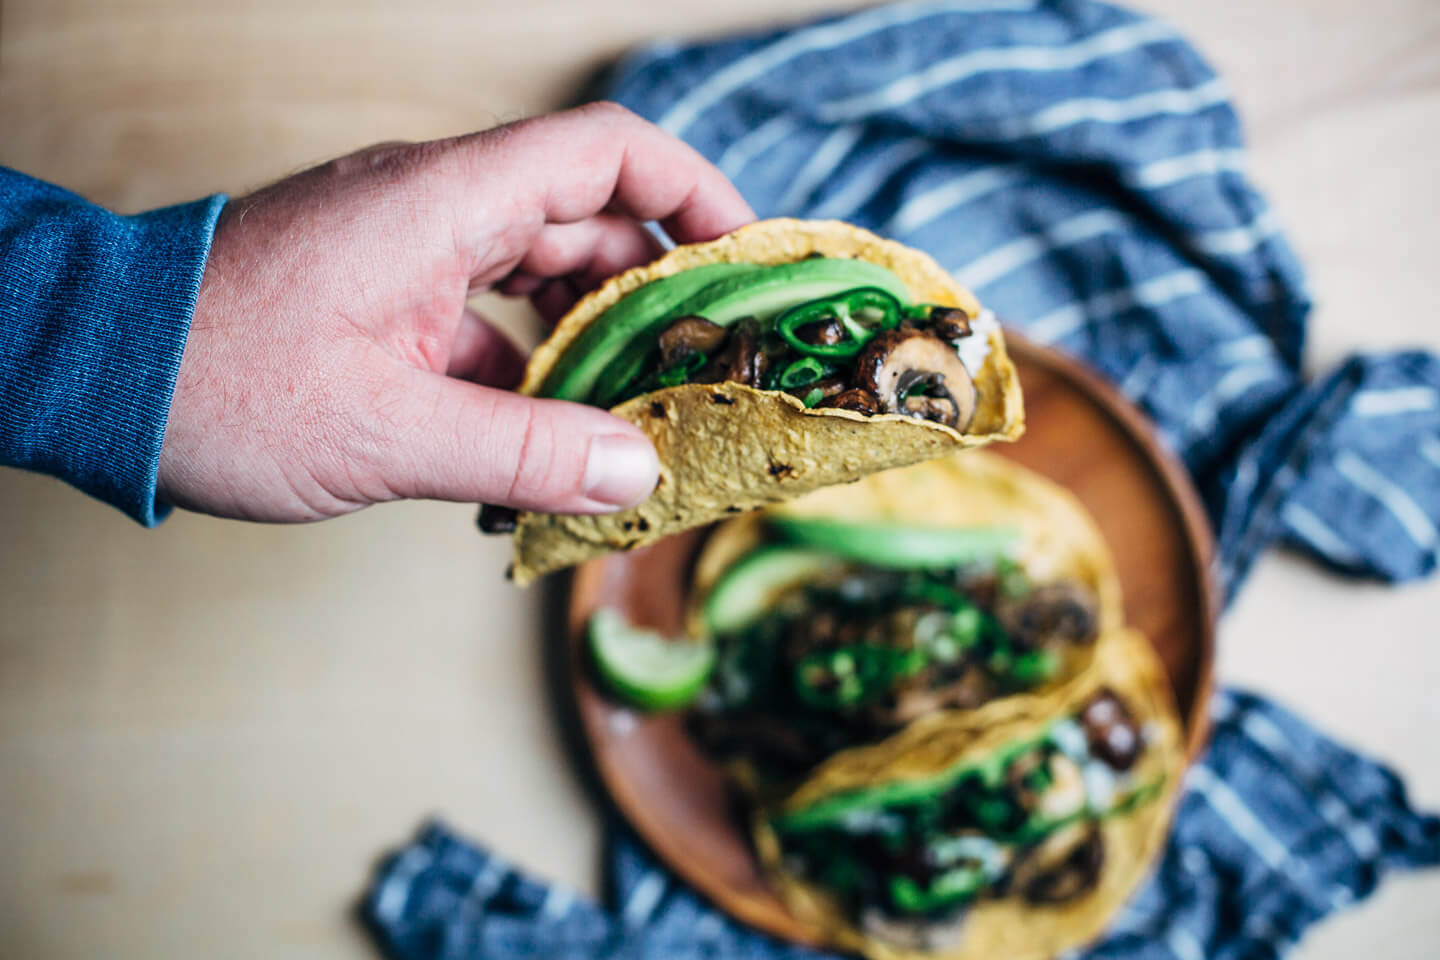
912, 596
1000, 835
781, 358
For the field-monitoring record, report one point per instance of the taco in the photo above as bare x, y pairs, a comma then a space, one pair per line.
1012, 835
781, 358
915, 594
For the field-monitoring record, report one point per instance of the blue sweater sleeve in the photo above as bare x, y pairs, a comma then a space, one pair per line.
94, 311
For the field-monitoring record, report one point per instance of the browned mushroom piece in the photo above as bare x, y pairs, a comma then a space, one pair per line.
822, 333
740, 360
690, 335
828, 387
1061, 867
1063, 612
969, 689
861, 401
917, 374
950, 323
1111, 731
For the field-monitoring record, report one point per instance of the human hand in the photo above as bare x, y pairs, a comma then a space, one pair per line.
332, 362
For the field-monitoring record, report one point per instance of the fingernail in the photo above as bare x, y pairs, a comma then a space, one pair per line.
620, 470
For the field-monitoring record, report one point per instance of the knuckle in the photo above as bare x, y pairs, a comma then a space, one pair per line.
541, 472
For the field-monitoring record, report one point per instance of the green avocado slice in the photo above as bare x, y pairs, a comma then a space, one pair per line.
898, 547
827, 811
769, 290
763, 293
748, 588
573, 376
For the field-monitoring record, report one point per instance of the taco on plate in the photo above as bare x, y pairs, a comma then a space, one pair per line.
916, 594
1001, 834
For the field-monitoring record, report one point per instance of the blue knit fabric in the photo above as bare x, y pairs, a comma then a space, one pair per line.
94, 312
1081, 168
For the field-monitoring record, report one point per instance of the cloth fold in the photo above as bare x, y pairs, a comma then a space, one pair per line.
1082, 169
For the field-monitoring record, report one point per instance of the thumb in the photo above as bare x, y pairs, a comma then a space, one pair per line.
460, 441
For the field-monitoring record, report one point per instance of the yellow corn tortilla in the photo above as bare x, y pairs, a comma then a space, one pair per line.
1004, 927
1057, 537
728, 448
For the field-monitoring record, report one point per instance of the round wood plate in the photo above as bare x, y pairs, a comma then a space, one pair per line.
1080, 433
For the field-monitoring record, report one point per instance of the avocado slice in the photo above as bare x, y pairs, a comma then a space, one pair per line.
573, 376
899, 547
750, 586
763, 293
876, 796
770, 290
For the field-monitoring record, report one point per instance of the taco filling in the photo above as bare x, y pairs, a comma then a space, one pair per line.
831, 331
818, 650
906, 859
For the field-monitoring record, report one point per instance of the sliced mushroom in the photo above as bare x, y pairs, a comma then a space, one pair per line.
1065, 795
689, 335
861, 401
1051, 615
822, 333
901, 362
1061, 867
950, 323
740, 361
1111, 731
970, 689
828, 387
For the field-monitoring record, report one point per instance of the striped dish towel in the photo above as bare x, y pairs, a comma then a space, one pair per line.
1081, 168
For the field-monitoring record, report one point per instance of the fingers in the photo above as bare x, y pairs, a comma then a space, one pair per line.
454, 440
587, 251
483, 354
554, 299
568, 167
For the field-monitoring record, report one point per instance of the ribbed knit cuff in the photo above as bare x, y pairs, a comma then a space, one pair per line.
95, 309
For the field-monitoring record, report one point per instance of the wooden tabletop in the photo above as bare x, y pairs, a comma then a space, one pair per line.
208, 732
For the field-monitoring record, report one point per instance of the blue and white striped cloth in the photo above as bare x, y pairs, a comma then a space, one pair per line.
1081, 168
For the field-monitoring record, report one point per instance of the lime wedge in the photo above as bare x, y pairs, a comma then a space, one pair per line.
645, 668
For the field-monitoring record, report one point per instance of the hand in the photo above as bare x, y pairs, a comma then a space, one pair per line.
332, 362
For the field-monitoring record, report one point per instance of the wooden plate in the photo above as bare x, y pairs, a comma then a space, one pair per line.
1082, 435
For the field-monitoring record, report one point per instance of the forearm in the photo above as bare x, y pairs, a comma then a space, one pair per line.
95, 309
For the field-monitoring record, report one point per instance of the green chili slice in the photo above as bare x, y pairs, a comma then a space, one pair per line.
1034, 667
802, 373
682, 371
863, 312
851, 676
952, 886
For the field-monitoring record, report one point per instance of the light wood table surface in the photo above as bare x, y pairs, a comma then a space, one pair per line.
208, 732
